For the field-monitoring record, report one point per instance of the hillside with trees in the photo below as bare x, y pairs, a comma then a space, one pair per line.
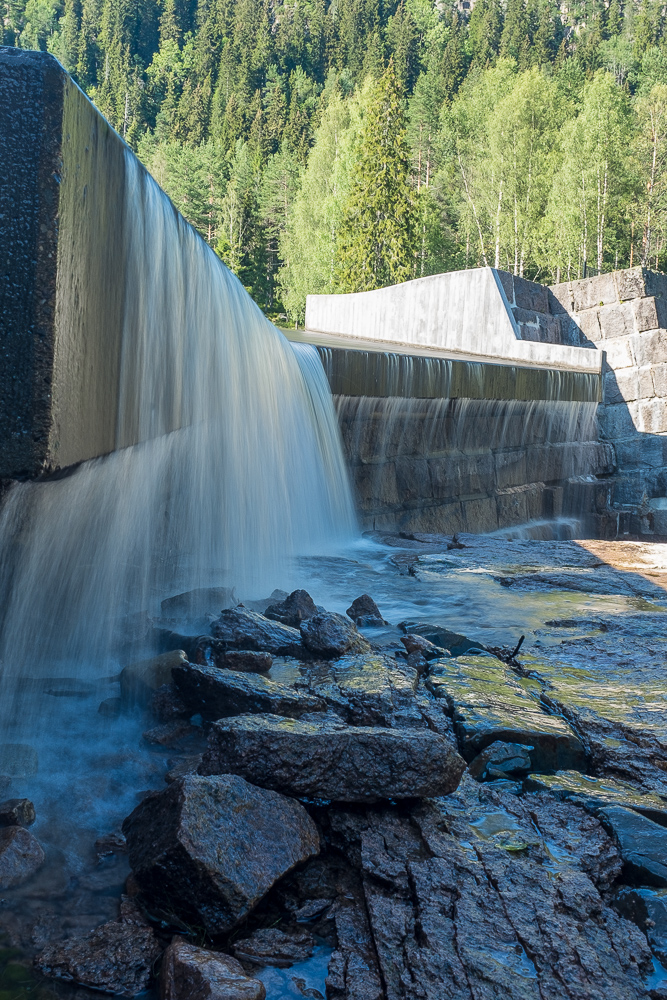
336, 145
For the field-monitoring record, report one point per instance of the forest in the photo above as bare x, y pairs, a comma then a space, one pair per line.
341, 145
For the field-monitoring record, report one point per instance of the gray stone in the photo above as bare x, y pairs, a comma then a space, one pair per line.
17, 812
372, 689
500, 760
531, 295
630, 283
241, 628
646, 314
642, 843
330, 760
219, 693
647, 908
196, 603
594, 794
21, 856
458, 645
140, 680
191, 973
272, 946
616, 321
247, 661
329, 635
207, 849
364, 612
296, 608
418, 644
597, 291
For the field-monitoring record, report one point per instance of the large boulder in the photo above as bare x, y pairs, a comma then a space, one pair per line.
370, 689
117, 957
241, 628
220, 693
17, 812
330, 760
207, 849
294, 609
191, 973
365, 613
642, 843
329, 635
140, 680
20, 856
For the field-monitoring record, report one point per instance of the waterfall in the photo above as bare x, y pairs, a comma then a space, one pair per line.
238, 467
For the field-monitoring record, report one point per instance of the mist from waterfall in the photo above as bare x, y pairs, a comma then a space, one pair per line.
239, 466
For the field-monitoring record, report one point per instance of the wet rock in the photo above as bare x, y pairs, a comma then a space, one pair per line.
139, 680
488, 705
181, 767
241, 628
117, 957
195, 603
330, 635
500, 760
110, 843
295, 609
191, 973
170, 733
594, 794
243, 660
20, 856
221, 693
458, 645
369, 690
110, 708
647, 908
271, 946
194, 646
167, 704
17, 812
365, 613
642, 843
208, 848
18, 760
418, 644
418, 662
328, 760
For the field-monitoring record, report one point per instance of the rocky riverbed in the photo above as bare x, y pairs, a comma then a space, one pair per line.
331, 794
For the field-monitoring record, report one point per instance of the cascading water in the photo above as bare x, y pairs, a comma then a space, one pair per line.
238, 469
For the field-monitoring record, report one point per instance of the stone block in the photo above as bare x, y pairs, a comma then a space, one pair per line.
589, 325
652, 416
375, 485
480, 515
525, 317
649, 348
413, 482
630, 283
620, 352
619, 421
646, 388
627, 385
656, 486
512, 508
597, 291
560, 298
539, 464
531, 295
655, 284
628, 453
659, 374
645, 314
629, 487
616, 320
569, 331
507, 281
510, 468
442, 519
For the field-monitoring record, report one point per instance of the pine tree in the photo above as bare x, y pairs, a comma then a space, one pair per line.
485, 29
516, 40
378, 236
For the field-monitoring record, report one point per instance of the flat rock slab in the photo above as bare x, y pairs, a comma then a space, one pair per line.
241, 628
594, 794
330, 760
647, 908
488, 705
21, 856
371, 689
220, 693
642, 843
191, 973
206, 849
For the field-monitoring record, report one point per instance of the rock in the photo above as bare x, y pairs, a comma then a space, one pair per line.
170, 733
20, 856
191, 973
207, 849
194, 646
418, 644
244, 660
110, 843
139, 680
271, 946
329, 760
488, 705
295, 609
167, 704
180, 767
458, 645
218, 694
329, 635
365, 613
594, 794
417, 662
18, 760
647, 908
195, 603
117, 957
642, 843
499, 760
110, 708
17, 812
241, 628
369, 690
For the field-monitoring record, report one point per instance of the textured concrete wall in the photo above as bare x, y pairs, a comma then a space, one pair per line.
61, 246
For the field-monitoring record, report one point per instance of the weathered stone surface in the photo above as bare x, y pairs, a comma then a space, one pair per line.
329, 760
246, 661
195, 603
647, 908
221, 693
594, 794
364, 612
488, 705
294, 609
418, 644
20, 856
191, 973
372, 689
17, 812
140, 680
206, 849
117, 957
171, 733
500, 760
241, 628
167, 704
458, 645
642, 843
271, 946
329, 635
